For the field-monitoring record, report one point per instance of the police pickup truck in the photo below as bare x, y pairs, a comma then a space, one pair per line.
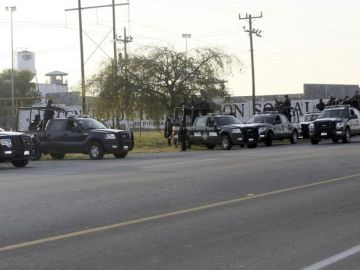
269, 126
339, 122
211, 130
15, 147
81, 135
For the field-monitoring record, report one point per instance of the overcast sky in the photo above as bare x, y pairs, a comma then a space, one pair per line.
303, 41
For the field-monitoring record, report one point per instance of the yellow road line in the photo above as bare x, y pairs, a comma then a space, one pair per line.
171, 214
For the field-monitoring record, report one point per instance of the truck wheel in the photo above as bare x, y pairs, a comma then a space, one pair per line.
57, 155
120, 155
314, 141
294, 137
20, 163
269, 139
225, 142
346, 138
335, 140
96, 150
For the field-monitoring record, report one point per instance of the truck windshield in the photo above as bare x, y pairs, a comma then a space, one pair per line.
261, 119
227, 120
340, 113
90, 124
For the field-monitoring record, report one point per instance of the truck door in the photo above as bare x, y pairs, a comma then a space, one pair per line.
354, 122
74, 137
210, 133
54, 134
198, 130
286, 127
278, 127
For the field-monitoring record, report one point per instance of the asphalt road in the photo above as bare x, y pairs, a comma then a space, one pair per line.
280, 207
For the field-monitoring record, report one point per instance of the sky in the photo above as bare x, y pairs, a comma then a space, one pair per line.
302, 41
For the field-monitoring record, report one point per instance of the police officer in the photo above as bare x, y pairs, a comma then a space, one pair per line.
49, 112
321, 105
183, 136
287, 107
168, 129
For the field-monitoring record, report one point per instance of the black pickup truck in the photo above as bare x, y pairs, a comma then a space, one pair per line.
81, 135
15, 147
210, 130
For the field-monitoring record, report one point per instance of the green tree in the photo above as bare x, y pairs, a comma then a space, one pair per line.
155, 80
24, 89
175, 77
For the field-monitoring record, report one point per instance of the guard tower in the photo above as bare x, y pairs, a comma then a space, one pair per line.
57, 77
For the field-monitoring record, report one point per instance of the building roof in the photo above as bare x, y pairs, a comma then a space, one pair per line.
56, 73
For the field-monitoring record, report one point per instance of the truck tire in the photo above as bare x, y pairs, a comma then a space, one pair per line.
225, 142
20, 163
57, 155
269, 139
346, 138
120, 155
294, 137
96, 150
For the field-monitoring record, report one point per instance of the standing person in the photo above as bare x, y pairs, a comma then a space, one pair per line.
49, 112
321, 105
182, 135
168, 130
287, 107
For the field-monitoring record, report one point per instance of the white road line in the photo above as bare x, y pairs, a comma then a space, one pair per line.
179, 163
334, 259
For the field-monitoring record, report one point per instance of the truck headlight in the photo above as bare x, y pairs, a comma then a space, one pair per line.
110, 136
340, 125
261, 130
6, 142
236, 130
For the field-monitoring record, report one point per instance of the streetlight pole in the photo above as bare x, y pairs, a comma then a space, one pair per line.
186, 36
12, 9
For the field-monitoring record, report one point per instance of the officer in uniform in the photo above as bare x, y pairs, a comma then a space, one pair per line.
321, 105
287, 107
182, 135
168, 129
49, 112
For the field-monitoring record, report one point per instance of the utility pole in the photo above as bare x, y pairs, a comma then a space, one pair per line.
83, 92
252, 31
126, 40
12, 9
82, 46
114, 32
